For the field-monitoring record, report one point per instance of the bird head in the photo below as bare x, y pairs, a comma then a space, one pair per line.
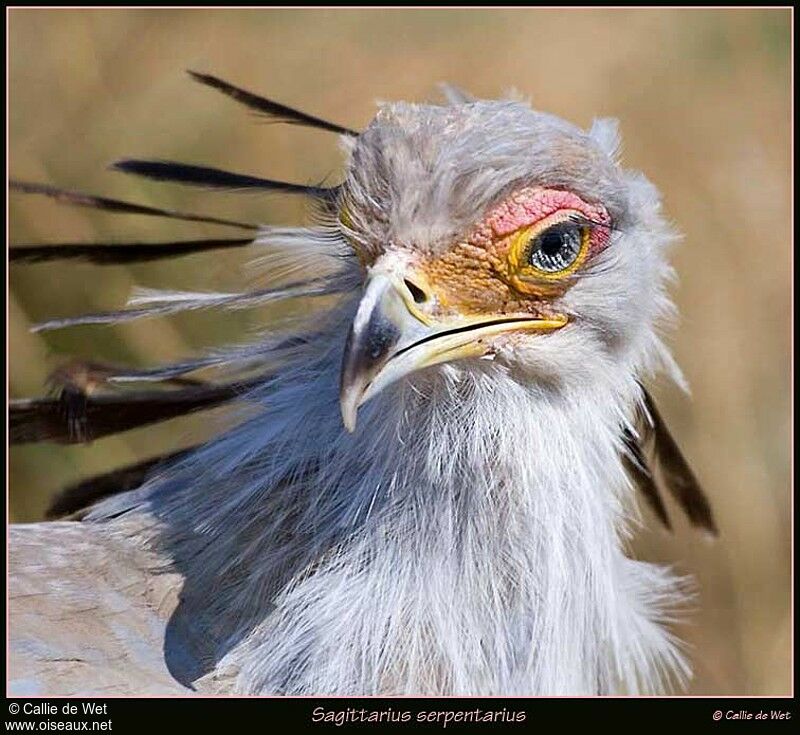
473, 231
492, 231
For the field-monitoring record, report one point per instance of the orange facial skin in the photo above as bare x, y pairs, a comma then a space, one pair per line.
489, 272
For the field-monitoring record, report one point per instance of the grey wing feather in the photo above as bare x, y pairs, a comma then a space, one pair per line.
87, 613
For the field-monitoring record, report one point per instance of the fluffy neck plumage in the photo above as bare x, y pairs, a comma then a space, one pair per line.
466, 540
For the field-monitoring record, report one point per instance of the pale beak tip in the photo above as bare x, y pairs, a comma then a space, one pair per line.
349, 407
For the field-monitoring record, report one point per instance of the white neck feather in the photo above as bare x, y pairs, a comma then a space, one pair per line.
468, 539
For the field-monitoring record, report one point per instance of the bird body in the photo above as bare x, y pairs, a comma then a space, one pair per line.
431, 490
86, 615
496, 550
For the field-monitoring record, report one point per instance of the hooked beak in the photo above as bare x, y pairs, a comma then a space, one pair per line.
393, 335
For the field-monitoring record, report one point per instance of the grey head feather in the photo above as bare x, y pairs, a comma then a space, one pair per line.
454, 95
424, 174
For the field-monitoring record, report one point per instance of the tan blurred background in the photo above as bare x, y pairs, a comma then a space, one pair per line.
704, 104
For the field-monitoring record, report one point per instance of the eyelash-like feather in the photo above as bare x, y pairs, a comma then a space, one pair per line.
580, 219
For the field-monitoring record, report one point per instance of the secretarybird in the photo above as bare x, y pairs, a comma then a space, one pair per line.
431, 487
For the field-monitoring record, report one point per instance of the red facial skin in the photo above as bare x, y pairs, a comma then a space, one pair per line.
528, 206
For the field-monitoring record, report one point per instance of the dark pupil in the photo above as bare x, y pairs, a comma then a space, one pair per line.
551, 243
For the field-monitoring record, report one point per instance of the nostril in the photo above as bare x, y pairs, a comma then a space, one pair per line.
420, 297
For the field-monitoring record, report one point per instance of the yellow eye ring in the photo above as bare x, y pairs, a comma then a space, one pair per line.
525, 276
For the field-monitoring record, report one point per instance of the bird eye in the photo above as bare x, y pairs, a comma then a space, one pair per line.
541, 256
557, 248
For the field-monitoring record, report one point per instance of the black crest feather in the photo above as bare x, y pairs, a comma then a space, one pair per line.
117, 206
119, 253
267, 107
73, 499
639, 470
75, 416
213, 178
677, 475
673, 470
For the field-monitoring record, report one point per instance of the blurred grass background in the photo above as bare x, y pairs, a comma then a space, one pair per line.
704, 104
